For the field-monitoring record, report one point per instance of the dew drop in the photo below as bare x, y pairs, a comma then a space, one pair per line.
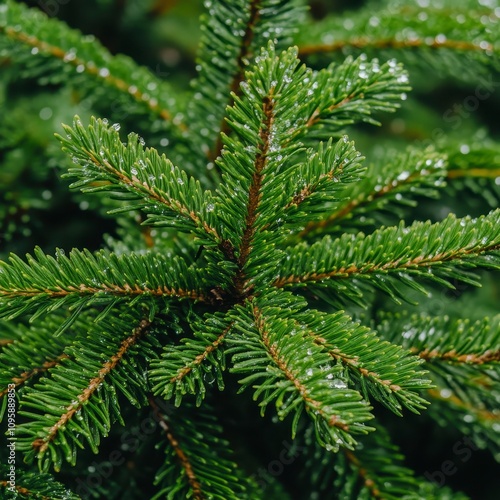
339, 384
445, 393
69, 56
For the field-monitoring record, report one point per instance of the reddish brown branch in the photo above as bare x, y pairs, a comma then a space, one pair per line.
40, 444
181, 455
481, 413
94, 71
23, 377
243, 56
332, 420
364, 474
201, 357
472, 359
125, 290
357, 202
391, 43
254, 193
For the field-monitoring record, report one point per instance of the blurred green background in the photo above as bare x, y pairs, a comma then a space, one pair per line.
37, 208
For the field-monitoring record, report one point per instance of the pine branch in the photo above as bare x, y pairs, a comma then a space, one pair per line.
272, 360
321, 181
226, 50
469, 351
266, 96
219, 279
199, 361
364, 43
197, 463
31, 485
185, 463
243, 57
392, 181
88, 406
81, 279
474, 419
375, 470
391, 257
475, 170
64, 54
462, 358
352, 92
275, 107
431, 37
29, 355
377, 368
483, 415
164, 192
460, 341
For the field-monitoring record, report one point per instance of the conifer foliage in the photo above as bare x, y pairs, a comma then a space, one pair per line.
249, 249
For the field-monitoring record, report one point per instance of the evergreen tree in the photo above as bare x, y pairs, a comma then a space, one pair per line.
263, 259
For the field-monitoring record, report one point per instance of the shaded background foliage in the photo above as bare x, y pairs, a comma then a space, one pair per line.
163, 36
36, 207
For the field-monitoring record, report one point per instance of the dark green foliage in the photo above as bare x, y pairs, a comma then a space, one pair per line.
247, 218
186, 368
198, 440
375, 470
36, 485
396, 254
64, 54
445, 37
463, 368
